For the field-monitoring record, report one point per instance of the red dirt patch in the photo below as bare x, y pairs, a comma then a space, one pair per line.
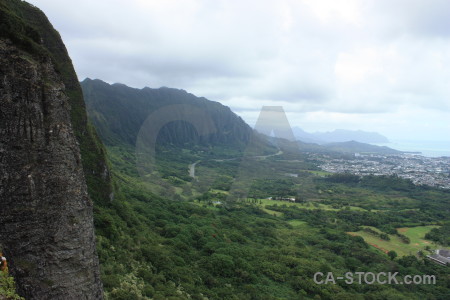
378, 247
403, 229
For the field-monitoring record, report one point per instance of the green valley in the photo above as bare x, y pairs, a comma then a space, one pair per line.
252, 225
120, 193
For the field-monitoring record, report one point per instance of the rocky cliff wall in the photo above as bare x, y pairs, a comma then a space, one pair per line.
46, 214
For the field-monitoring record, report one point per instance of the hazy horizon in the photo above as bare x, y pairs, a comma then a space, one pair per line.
374, 65
396, 143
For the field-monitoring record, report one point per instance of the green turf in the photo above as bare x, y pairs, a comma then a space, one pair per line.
273, 212
297, 223
305, 205
416, 235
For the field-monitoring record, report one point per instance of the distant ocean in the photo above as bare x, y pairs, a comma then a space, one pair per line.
427, 148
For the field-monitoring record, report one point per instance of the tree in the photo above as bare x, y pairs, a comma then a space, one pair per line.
392, 254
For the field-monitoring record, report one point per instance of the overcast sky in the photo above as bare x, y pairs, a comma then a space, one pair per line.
373, 65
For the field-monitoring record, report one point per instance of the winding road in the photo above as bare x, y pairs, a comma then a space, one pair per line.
191, 167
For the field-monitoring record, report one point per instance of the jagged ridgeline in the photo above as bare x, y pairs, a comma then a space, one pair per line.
46, 217
118, 113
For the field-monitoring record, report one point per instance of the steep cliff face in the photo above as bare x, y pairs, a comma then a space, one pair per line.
30, 30
46, 214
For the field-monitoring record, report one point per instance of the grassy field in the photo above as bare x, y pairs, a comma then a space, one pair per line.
416, 235
296, 223
306, 205
263, 203
272, 212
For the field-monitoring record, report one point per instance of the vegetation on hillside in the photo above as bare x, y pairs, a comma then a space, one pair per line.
218, 236
8, 287
189, 240
440, 235
166, 235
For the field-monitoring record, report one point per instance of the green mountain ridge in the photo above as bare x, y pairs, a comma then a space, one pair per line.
186, 243
118, 113
220, 236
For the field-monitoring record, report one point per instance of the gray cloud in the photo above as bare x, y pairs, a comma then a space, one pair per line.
424, 19
329, 58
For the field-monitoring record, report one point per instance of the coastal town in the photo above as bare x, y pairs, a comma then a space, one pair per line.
421, 170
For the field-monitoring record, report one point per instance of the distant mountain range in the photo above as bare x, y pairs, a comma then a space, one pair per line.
118, 113
339, 136
357, 147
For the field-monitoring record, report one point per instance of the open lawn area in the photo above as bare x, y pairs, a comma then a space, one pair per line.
304, 205
272, 212
297, 223
415, 234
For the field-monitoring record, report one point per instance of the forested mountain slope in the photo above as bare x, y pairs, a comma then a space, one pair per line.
118, 112
189, 242
211, 237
